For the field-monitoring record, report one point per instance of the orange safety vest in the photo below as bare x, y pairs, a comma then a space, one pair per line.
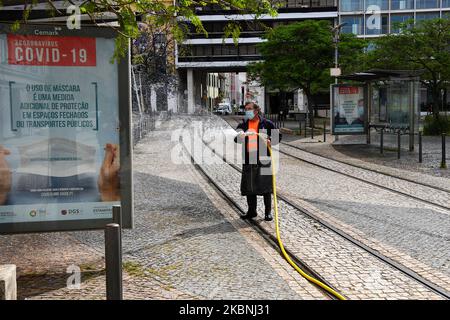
253, 126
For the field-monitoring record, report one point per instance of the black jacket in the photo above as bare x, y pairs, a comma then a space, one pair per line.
256, 175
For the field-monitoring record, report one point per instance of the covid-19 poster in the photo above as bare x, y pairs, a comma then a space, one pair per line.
348, 109
59, 128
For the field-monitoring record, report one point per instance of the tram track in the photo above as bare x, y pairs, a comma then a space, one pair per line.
404, 270
432, 203
358, 178
269, 238
368, 169
375, 253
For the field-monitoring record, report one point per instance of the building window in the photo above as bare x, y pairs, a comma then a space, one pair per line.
426, 16
353, 24
426, 4
445, 3
382, 4
397, 19
374, 29
351, 5
247, 50
402, 4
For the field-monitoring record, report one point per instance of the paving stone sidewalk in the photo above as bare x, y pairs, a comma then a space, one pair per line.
354, 150
409, 231
185, 244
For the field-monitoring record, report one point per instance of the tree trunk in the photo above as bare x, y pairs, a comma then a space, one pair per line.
310, 109
436, 96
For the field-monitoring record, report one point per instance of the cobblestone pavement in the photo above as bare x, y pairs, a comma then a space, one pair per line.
353, 149
369, 157
411, 232
426, 193
187, 244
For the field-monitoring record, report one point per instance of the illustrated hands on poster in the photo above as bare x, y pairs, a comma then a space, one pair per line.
5, 175
109, 180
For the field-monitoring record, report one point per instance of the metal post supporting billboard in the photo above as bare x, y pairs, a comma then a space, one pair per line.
113, 261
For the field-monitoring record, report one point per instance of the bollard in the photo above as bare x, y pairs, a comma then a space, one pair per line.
312, 132
381, 141
324, 131
398, 144
113, 262
8, 282
420, 146
305, 128
299, 127
443, 161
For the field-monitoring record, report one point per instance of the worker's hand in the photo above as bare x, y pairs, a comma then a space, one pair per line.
239, 138
5, 176
263, 136
109, 180
269, 145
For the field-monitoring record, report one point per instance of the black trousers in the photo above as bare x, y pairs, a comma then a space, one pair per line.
252, 202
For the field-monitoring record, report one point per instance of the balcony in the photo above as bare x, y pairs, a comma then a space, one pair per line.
283, 7
218, 52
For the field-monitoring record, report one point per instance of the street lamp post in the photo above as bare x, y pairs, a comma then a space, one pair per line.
336, 32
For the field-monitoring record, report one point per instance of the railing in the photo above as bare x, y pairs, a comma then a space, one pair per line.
219, 58
219, 35
306, 3
283, 4
401, 129
147, 123
143, 126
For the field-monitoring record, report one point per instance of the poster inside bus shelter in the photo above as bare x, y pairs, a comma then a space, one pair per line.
348, 109
59, 136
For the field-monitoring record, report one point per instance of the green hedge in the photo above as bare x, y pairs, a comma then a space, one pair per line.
434, 126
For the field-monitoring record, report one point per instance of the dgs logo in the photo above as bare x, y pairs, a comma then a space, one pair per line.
70, 211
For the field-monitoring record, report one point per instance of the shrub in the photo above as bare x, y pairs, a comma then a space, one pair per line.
434, 126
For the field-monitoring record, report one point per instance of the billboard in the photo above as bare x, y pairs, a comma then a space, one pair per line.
65, 155
348, 109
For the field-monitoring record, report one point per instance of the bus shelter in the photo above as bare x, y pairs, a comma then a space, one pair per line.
391, 101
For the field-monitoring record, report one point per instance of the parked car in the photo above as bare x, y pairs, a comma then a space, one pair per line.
223, 109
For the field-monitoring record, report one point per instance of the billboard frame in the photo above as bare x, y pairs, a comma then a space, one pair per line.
366, 109
125, 138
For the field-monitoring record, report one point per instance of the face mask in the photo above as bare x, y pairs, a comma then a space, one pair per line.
249, 114
57, 157
361, 111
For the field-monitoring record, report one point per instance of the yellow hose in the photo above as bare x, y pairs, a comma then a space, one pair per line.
280, 243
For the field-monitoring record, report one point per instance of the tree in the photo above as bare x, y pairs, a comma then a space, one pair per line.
154, 64
352, 53
152, 53
157, 12
299, 55
422, 47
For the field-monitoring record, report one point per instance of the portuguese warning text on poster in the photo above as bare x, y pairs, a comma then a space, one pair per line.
59, 119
